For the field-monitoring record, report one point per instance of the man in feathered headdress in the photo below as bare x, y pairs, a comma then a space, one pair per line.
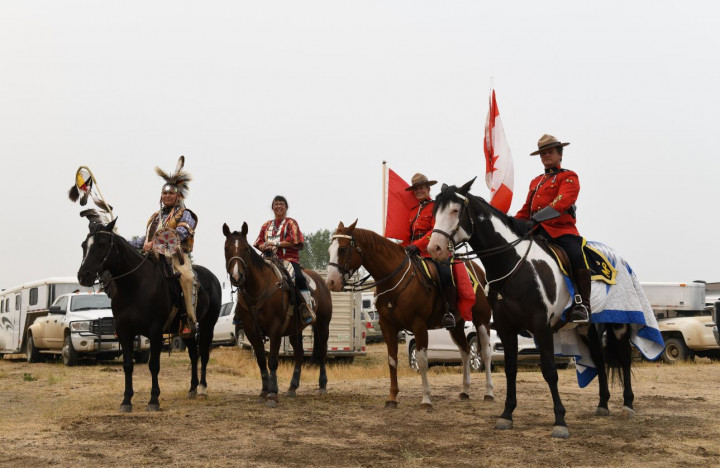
173, 216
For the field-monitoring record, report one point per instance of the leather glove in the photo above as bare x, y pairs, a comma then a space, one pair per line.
531, 223
412, 249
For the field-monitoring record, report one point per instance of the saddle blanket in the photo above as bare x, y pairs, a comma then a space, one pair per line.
622, 303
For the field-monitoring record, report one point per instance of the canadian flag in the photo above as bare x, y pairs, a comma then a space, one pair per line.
498, 160
399, 204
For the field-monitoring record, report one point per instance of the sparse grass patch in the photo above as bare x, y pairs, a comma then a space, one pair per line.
28, 377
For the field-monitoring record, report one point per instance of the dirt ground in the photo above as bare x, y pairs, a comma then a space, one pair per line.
54, 415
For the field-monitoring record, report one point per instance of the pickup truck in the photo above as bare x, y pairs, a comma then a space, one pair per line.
79, 324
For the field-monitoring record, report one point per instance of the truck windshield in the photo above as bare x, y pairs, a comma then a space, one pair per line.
94, 301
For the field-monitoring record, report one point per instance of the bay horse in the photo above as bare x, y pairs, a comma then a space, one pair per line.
142, 297
264, 305
527, 291
407, 300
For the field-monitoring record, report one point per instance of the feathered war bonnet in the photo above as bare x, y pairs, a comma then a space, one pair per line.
178, 180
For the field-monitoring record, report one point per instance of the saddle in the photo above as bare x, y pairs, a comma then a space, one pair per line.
601, 269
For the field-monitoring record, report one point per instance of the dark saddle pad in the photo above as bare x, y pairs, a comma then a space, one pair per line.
601, 269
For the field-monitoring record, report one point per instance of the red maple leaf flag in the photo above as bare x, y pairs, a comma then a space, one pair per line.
499, 173
399, 204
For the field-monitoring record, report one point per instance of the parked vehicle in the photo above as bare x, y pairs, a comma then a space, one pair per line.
76, 325
443, 350
21, 305
347, 332
373, 334
716, 309
225, 332
684, 321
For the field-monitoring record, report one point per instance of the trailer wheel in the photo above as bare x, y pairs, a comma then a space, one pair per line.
675, 351
142, 357
476, 362
412, 358
69, 355
31, 352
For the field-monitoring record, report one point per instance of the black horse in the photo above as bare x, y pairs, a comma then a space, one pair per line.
142, 298
527, 292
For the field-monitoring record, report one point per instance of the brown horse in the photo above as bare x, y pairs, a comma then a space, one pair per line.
407, 300
265, 307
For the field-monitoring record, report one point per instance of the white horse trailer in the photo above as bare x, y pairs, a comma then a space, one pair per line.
21, 305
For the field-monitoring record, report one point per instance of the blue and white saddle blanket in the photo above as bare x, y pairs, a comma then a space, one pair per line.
623, 303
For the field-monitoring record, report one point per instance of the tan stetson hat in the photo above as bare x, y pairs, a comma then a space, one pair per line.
418, 180
547, 141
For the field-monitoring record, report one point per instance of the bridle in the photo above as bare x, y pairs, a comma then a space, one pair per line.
345, 269
107, 255
242, 277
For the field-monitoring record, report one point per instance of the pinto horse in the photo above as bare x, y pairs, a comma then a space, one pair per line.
527, 291
142, 299
264, 304
407, 299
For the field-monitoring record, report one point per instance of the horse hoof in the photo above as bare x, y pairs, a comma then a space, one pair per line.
202, 392
560, 432
202, 396
426, 406
271, 402
391, 404
503, 424
627, 413
153, 407
600, 411
489, 398
126, 408
322, 391
192, 394
464, 396
261, 399
290, 394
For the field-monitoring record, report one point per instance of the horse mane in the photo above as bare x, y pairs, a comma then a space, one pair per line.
447, 194
373, 241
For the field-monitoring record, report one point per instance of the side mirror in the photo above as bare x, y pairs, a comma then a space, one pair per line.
56, 310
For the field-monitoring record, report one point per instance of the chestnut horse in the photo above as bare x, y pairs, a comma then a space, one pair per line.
407, 299
264, 305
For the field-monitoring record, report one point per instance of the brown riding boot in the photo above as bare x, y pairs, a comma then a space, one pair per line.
580, 313
448, 320
306, 309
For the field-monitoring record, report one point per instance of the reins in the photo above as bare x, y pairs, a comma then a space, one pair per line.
112, 244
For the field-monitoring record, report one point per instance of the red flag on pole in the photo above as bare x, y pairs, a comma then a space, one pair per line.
399, 204
499, 173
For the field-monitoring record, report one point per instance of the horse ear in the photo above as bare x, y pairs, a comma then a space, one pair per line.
352, 226
244, 230
111, 226
226, 230
444, 187
340, 226
466, 187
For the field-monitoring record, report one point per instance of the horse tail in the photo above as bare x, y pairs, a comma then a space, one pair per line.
617, 353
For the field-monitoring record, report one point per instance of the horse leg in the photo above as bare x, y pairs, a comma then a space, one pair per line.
486, 352
458, 336
272, 397
296, 342
390, 335
259, 348
421, 344
127, 350
596, 353
321, 332
205, 342
154, 365
510, 347
192, 349
624, 354
544, 340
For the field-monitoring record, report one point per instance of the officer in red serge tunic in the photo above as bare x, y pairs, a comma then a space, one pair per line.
421, 224
550, 212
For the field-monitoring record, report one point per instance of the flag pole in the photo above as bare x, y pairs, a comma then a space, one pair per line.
384, 196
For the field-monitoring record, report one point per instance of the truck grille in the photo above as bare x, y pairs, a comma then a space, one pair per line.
104, 326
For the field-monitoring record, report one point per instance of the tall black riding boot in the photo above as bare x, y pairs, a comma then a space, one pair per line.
448, 320
580, 313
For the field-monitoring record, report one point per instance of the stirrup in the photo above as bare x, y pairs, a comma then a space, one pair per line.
448, 321
579, 314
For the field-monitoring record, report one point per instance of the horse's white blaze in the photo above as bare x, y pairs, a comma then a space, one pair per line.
421, 356
89, 244
486, 353
392, 362
235, 272
334, 277
446, 221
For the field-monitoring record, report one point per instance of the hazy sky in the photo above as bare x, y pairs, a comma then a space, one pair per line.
307, 98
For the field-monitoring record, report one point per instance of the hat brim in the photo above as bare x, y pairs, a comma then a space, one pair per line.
553, 145
414, 186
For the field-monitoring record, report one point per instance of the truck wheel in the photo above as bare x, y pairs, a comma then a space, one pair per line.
675, 351
142, 357
412, 358
476, 363
69, 355
177, 344
31, 352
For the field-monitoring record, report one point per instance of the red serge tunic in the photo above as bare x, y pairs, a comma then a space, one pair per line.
421, 222
558, 188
